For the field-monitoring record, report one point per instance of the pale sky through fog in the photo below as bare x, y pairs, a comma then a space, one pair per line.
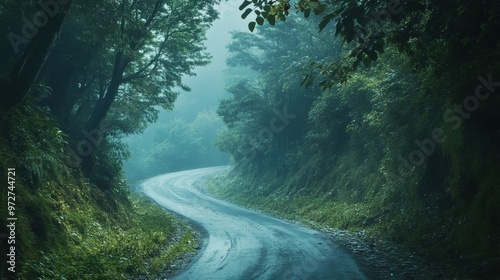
208, 86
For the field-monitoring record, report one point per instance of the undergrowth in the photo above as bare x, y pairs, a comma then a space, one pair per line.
427, 229
69, 228
105, 249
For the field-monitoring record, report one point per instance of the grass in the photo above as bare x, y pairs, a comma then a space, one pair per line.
69, 228
144, 246
91, 244
308, 209
403, 223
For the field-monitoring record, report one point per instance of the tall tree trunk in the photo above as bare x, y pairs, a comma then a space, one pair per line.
103, 106
59, 81
25, 72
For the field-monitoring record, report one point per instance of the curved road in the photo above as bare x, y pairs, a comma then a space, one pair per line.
243, 244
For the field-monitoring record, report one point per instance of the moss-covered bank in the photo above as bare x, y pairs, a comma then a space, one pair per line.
436, 234
70, 227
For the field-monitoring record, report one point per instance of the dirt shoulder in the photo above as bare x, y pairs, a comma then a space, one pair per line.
381, 260
198, 235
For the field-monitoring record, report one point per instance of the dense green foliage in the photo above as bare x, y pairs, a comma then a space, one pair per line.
76, 79
374, 115
68, 228
404, 144
114, 64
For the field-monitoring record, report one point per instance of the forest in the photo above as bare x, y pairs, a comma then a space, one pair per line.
77, 77
362, 115
383, 121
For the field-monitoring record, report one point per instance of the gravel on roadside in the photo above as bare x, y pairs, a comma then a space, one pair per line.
181, 226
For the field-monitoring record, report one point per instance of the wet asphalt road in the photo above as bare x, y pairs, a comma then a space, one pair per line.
243, 244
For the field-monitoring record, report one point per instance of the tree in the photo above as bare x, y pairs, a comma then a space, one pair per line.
370, 26
45, 31
157, 42
267, 116
424, 116
160, 42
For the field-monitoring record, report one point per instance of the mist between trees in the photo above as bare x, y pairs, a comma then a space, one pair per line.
78, 77
396, 130
380, 116
177, 145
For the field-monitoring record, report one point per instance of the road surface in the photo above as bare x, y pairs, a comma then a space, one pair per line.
243, 244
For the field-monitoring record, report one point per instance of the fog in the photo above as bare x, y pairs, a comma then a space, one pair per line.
378, 118
208, 87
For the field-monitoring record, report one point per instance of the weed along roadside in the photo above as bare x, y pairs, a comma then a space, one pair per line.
76, 79
60, 225
74, 230
379, 254
376, 122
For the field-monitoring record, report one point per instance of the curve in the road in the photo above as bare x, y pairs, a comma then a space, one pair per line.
243, 244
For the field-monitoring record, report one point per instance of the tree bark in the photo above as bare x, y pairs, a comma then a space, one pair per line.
105, 102
103, 106
59, 81
24, 73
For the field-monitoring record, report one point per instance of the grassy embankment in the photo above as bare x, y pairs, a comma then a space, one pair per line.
391, 217
67, 227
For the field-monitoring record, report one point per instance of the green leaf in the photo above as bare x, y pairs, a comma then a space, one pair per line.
379, 46
371, 54
323, 23
307, 81
245, 4
359, 56
357, 12
260, 20
326, 19
349, 37
324, 84
246, 13
251, 26
355, 64
267, 8
319, 8
307, 13
271, 19
338, 28
367, 62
